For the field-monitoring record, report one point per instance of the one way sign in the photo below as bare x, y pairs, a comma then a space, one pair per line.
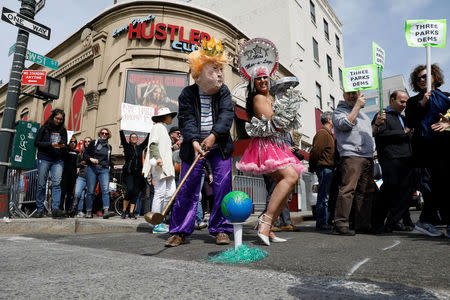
25, 23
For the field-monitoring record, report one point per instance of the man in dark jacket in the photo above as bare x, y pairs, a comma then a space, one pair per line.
321, 161
205, 118
395, 157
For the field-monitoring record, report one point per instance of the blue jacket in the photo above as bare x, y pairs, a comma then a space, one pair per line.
189, 120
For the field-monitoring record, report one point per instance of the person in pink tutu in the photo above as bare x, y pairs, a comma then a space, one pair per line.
270, 120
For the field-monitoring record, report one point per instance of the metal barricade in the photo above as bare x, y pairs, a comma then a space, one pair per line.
254, 187
22, 191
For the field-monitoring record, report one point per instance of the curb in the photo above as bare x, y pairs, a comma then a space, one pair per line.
48, 225
98, 225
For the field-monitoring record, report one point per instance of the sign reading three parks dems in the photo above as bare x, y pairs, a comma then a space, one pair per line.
378, 55
422, 33
360, 78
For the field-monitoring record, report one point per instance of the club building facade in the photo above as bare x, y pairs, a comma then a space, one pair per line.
109, 66
107, 63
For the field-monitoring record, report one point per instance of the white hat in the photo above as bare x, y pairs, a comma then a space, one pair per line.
163, 111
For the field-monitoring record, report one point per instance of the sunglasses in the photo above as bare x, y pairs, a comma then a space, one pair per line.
73, 142
424, 77
104, 133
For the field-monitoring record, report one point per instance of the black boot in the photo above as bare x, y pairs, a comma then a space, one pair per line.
74, 207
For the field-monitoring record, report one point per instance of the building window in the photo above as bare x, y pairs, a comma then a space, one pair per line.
318, 96
371, 101
325, 29
338, 44
312, 9
329, 66
316, 50
340, 78
332, 102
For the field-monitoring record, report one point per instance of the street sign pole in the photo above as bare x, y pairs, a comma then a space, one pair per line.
10, 110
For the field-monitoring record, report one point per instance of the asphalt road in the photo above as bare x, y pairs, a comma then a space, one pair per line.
310, 265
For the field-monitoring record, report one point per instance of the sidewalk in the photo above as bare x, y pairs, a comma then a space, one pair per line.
97, 224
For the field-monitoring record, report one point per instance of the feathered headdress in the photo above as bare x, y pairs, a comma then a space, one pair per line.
210, 51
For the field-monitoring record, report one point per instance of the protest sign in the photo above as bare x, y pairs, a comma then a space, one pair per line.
137, 118
378, 55
360, 78
423, 33
379, 59
426, 33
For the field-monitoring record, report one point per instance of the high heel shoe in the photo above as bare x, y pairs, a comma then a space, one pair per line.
264, 238
276, 239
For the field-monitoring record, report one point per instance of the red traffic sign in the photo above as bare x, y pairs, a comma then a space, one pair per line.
33, 77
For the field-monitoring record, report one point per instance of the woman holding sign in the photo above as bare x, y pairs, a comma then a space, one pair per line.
429, 144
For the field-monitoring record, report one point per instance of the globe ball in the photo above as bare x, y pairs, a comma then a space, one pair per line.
236, 206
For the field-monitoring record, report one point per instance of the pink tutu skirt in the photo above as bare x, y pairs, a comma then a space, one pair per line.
266, 155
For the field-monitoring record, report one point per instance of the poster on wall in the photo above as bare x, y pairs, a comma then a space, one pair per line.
146, 92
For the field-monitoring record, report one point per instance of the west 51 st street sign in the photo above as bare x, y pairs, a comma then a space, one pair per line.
37, 58
25, 23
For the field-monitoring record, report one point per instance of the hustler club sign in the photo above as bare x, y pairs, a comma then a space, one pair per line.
145, 28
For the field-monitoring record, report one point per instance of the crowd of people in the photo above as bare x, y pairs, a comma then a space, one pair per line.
411, 137
408, 138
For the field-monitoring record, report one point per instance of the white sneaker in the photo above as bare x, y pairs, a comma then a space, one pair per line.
80, 215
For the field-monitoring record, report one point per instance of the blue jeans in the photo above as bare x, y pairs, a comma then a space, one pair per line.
199, 213
93, 175
80, 191
56, 170
325, 176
